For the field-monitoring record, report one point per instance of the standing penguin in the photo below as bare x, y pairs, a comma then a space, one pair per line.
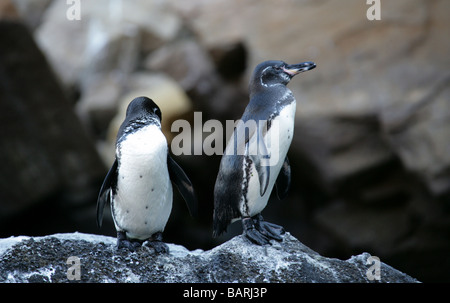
255, 157
138, 185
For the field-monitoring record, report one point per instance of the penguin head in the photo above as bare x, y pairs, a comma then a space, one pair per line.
269, 73
141, 112
143, 107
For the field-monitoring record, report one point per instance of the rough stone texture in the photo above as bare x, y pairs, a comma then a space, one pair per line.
44, 147
108, 36
44, 259
370, 156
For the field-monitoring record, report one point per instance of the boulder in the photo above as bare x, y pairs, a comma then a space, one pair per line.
46, 151
108, 36
419, 135
91, 258
32, 11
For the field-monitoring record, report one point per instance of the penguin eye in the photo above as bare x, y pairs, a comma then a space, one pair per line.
278, 68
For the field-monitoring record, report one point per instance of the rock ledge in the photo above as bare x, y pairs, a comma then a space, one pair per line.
45, 259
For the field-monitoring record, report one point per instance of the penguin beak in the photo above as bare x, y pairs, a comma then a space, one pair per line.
295, 69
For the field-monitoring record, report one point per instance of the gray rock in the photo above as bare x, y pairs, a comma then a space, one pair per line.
43, 145
341, 148
185, 61
46, 259
32, 11
108, 36
419, 134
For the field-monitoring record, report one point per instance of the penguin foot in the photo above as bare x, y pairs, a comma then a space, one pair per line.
252, 233
270, 230
157, 244
123, 242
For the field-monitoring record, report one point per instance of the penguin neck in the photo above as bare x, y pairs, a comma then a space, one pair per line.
135, 124
275, 92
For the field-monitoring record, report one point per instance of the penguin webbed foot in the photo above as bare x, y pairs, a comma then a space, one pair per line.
273, 231
157, 244
252, 233
261, 232
123, 242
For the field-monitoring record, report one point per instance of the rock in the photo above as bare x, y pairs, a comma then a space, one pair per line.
185, 61
188, 63
32, 11
45, 149
341, 148
68, 59
377, 229
8, 11
418, 133
158, 23
230, 59
46, 259
99, 102
109, 35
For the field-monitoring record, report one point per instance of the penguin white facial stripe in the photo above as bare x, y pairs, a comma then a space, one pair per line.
261, 79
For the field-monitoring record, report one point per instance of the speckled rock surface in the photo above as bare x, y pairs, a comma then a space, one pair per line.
45, 259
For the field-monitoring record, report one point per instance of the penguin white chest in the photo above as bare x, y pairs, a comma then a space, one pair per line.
143, 199
277, 140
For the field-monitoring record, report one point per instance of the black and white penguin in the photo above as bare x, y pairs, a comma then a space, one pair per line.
138, 185
255, 157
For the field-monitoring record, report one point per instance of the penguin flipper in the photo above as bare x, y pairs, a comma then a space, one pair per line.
104, 196
184, 185
283, 182
261, 161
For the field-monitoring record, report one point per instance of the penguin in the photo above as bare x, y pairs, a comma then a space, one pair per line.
139, 184
252, 164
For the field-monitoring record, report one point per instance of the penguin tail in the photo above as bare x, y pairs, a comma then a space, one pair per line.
222, 218
219, 226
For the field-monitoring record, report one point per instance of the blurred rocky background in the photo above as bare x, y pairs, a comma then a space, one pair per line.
371, 153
